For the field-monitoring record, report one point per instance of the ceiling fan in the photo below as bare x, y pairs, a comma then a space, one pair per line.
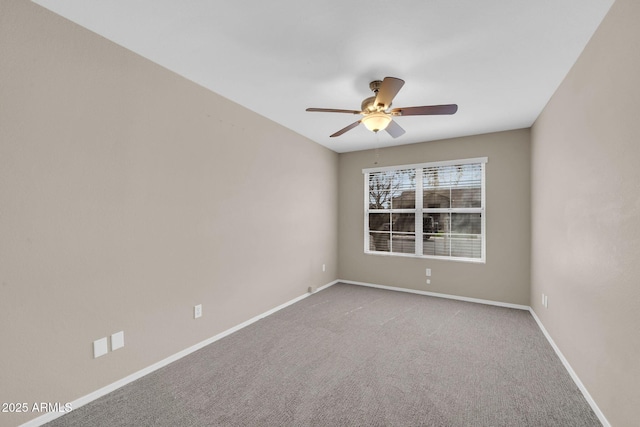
377, 115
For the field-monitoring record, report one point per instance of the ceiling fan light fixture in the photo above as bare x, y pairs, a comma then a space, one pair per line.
376, 121
376, 113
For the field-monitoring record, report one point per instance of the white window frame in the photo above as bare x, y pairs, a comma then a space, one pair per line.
419, 209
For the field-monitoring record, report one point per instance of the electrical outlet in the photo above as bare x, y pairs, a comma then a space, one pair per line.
197, 311
543, 298
546, 301
428, 272
117, 340
428, 281
324, 268
100, 347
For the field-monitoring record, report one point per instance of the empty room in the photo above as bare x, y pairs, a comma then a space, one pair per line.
290, 213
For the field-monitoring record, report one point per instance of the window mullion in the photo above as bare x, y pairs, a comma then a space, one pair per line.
449, 234
418, 212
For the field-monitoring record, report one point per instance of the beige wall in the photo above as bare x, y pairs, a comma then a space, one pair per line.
128, 195
586, 215
504, 277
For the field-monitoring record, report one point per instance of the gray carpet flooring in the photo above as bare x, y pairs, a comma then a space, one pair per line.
356, 356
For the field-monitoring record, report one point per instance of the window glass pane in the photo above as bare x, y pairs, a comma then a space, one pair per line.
379, 241
466, 190
435, 240
406, 200
392, 189
470, 197
405, 189
466, 247
433, 223
403, 243
404, 222
429, 226
434, 195
458, 235
466, 223
431, 177
434, 198
457, 186
466, 238
379, 236
379, 191
380, 222
403, 236
437, 245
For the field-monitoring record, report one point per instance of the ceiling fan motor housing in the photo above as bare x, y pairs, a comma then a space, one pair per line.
368, 105
375, 85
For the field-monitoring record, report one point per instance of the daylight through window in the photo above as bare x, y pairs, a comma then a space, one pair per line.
431, 210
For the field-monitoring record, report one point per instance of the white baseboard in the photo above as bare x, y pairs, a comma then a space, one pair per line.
573, 374
50, 416
434, 294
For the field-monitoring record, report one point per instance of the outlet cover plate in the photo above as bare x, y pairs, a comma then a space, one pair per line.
117, 340
100, 347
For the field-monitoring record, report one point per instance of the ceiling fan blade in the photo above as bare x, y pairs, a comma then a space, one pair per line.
343, 130
332, 110
427, 110
388, 90
394, 129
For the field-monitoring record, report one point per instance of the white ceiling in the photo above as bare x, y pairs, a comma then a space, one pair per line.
499, 60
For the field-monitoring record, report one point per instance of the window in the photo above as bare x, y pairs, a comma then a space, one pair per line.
430, 210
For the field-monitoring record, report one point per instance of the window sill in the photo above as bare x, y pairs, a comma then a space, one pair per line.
439, 258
